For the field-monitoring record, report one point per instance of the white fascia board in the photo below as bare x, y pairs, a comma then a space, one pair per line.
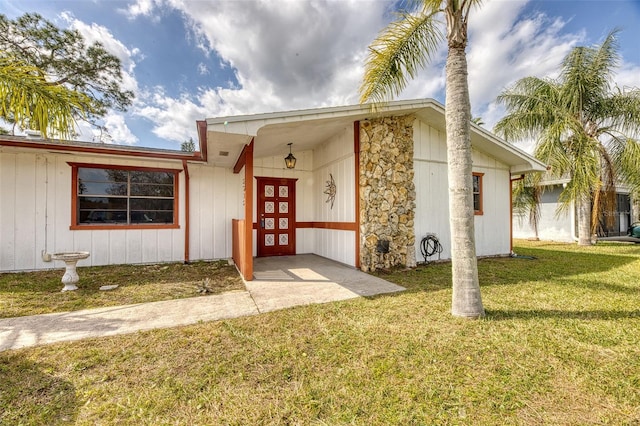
250, 124
530, 164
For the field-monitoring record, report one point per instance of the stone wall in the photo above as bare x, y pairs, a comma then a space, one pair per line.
387, 193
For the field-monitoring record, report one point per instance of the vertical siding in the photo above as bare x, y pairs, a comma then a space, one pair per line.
551, 226
432, 206
215, 199
335, 157
7, 210
25, 207
35, 216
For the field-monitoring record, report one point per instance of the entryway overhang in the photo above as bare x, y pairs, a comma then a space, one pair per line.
271, 132
307, 129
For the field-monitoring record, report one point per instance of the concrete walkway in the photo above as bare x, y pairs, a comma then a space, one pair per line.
280, 282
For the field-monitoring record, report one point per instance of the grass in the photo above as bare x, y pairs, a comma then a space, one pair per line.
29, 293
560, 346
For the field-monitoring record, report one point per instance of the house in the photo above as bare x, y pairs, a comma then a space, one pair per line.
367, 186
555, 224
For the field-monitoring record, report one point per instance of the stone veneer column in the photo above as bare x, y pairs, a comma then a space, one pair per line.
387, 192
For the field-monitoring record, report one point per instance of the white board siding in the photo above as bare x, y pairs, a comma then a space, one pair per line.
215, 199
7, 211
492, 227
432, 206
336, 157
336, 245
551, 226
35, 215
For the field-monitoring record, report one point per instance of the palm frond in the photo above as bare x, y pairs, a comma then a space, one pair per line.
397, 54
27, 99
527, 194
532, 103
620, 112
587, 73
625, 153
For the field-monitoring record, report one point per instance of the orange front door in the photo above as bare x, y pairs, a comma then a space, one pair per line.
276, 216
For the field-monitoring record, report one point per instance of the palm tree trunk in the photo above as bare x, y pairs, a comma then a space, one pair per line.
584, 220
467, 301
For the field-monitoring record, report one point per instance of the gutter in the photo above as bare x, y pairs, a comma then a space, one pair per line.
101, 149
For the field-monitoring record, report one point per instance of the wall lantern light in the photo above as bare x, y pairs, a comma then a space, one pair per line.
290, 160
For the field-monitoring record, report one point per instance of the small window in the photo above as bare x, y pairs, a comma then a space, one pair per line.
477, 193
116, 197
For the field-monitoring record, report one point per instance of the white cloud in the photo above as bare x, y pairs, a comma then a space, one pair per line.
628, 76
175, 119
302, 54
139, 8
97, 33
118, 130
285, 55
203, 69
506, 46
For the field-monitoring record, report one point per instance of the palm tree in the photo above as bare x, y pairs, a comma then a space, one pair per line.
584, 130
26, 98
406, 45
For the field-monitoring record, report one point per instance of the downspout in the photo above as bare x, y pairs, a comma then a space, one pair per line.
511, 212
186, 211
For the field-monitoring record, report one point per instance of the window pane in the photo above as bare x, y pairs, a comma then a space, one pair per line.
103, 216
101, 188
103, 196
152, 177
151, 204
140, 217
476, 202
150, 190
151, 216
102, 175
102, 203
476, 184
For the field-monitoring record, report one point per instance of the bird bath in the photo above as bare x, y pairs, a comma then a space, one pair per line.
70, 277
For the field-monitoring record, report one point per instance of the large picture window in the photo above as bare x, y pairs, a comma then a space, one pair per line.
477, 193
108, 197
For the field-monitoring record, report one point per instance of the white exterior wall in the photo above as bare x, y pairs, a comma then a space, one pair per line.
215, 198
336, 157
432, 206
551, 226
35, 216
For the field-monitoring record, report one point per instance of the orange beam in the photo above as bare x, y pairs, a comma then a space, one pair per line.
356, 151
242, 159
248, 210
186, 211
202, 138
340, 226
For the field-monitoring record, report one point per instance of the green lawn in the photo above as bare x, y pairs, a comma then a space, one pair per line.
30, 293
560, 346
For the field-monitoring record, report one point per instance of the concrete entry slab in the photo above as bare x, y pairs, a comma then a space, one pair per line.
282, 282
285, 281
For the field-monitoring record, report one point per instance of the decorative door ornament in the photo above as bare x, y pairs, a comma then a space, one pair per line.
330, 190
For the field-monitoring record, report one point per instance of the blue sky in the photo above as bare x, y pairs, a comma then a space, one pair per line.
190, 60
